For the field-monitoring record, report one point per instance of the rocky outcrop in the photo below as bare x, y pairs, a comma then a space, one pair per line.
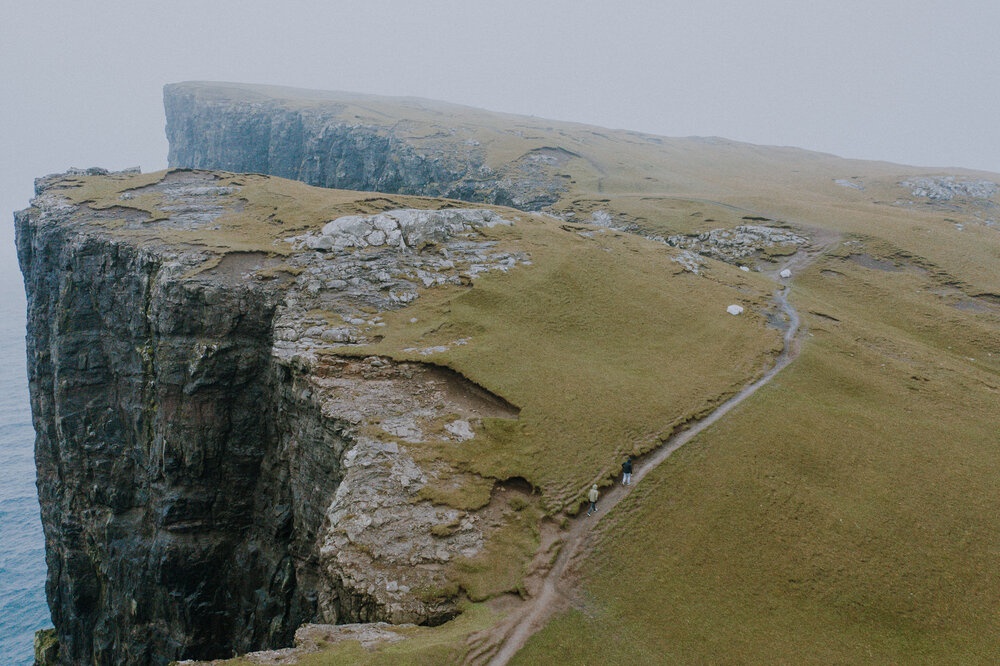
209, 480
313, 638
741, 245
946, 188
322, 139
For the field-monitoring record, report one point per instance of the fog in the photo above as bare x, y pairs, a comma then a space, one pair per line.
914, 82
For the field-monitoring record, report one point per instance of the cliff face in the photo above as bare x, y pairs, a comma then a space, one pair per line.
331, 143
151, 403
192, 449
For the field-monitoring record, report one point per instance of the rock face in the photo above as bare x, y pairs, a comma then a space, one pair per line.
327, 141
208, 482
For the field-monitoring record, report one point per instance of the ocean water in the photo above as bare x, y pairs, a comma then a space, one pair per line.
22, 547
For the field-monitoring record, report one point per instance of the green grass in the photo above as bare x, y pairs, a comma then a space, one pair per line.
604, 356
845, 514
501, 566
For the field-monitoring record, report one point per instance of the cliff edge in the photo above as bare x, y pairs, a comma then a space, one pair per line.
344, 141
260, 404
206, 477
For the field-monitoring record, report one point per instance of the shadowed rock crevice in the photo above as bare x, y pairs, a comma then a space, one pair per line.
461, 391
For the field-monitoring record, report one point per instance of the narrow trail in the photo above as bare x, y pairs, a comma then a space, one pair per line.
516, 631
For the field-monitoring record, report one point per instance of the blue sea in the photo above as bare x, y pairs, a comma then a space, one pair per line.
22, 547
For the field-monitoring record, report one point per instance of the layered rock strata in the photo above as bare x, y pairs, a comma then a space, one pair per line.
210, 476
336, 140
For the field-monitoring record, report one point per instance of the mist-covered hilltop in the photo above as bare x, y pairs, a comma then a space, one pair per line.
261, 403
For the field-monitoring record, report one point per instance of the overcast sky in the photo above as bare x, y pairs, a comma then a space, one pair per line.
909, 81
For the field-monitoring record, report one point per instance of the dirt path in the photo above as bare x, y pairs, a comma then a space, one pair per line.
512, 634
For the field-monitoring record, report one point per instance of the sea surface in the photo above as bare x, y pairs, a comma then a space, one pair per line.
22, 547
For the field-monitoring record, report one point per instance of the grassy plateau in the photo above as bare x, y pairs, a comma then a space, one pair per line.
845, 513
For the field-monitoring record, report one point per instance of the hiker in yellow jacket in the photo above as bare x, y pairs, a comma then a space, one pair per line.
592, 496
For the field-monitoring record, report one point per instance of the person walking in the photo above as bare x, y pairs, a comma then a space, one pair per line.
592, 496
627, 471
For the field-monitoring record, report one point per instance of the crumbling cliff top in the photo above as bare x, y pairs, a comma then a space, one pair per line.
401, 388
560, 286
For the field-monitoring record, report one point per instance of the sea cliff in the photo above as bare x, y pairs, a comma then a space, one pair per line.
341, 141
199, 467
261, 403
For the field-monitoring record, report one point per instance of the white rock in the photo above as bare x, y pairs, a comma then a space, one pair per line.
785, 273
336, 335
404, 228
735, 309
949, 187
843, 182
601, 218
460, 429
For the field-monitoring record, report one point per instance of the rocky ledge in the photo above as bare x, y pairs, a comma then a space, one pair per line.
212, 472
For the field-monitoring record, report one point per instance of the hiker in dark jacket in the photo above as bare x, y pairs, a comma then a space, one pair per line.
627, 471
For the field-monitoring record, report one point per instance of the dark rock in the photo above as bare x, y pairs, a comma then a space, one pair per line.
317, 138
46, 648
160, 454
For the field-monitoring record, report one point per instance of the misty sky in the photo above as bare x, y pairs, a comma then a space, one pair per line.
909, 81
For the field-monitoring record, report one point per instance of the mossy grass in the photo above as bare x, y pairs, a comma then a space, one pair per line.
445, 644
843, 514
500, 567
459, 492
603, 356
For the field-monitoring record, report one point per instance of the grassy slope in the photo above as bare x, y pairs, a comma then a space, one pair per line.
604, 355
266, 210
847, 512
604, 342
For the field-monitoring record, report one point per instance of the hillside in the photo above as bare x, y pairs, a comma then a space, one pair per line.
442, 398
